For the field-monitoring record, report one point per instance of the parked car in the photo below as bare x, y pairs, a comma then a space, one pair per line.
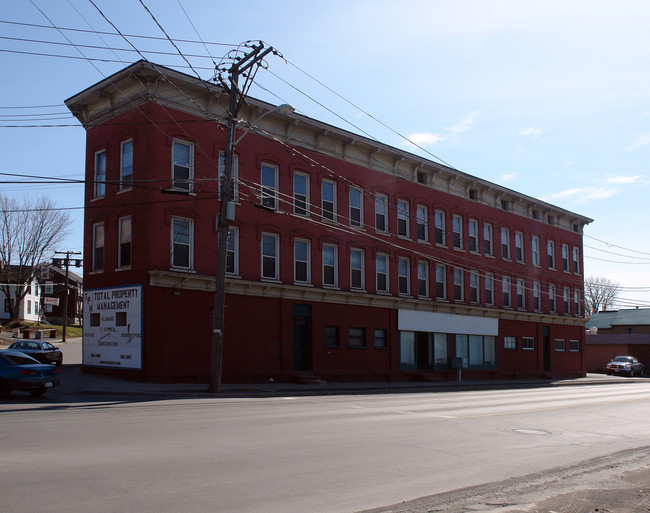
19, 371
625, 365
44, 352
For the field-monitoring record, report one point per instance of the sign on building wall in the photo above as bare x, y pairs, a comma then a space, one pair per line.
112, 334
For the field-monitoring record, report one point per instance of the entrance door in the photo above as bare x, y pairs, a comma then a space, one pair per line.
302, 338
547, 348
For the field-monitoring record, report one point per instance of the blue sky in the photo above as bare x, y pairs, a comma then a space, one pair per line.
549, 98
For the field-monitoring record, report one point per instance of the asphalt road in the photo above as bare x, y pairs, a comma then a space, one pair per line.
303, 454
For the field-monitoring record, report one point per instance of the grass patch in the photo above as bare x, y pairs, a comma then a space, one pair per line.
72, 331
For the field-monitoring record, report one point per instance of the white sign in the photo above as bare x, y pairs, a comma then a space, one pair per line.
51, 301
112, 330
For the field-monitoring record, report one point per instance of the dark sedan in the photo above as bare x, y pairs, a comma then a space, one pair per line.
44, 352
22, 373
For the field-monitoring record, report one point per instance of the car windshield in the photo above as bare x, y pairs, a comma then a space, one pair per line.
623, 359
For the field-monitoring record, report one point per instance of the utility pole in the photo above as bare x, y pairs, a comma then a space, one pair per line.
66, 260
226, 210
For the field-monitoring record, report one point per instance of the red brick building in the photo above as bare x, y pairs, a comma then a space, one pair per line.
348, 258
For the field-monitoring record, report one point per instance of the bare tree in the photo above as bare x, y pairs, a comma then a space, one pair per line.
29, 232
600, 294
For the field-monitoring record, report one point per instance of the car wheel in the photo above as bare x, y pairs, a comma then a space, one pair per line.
59, 360
5, 388
37, 392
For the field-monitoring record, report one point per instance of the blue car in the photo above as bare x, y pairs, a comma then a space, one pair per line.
21, 372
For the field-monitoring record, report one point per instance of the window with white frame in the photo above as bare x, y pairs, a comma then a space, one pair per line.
270, 256
510, 343
537, 296
528, 343
422, 223
402, 218
124, 255
535, 250
550, 252
506, 287
474, 287
488, 237
232, 251
560, 344
552, 295
566, 297
489, 289
182, 165
423, 279
440, 227
357, 278
126, 164
381, 263
459, 288
269, 190
473, 235
98, 247
300, 194
457, 228
441, 281
330, 265
182, 243
99, 190
356, 208
576, 302
574, 346
381, 213
301, 261
234, 189
576, 260
565, 258
521, 294
505, 243
403, 281
328, 200
519, 246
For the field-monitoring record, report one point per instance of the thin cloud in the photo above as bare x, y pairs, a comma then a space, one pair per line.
464, 125
531, 132
430, 138
624, 179
508, 177
640, 141
584, 194
425, 138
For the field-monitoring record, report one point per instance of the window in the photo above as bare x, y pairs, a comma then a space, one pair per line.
382, 272
328, 200
301, 261
565, 258
576, 260
182, 165
441, 281
528, 343
519, 246
440, 227
473, 287
357, 337
381, 213
356, 269
506, 286
49, 287
566, 297
457, 228
440, 350
100, 174
560, 344
232, 251
124, 255
330, 265
479, 350
98, 247
126, 165
269, 191
270, 257
422, 223
300, 194
402, 218
381, 339
535, 250
489, 289
473, 236
487, 239
234, 191
403, 281
332, 338
458, 285
505, 243
574, 346
551, 298
521, 294
550, 251
182, 243
537, 296
510, 343
576, 302
356, 208
423, 279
